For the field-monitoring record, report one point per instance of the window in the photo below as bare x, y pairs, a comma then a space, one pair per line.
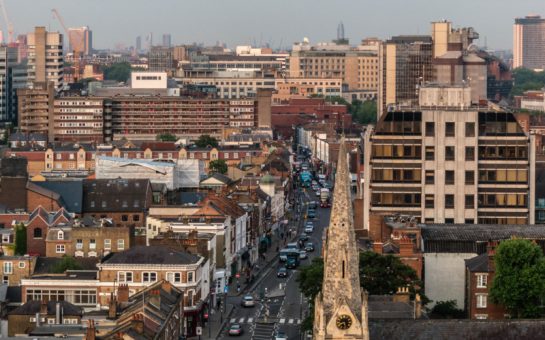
469, 221
123, 277
60, 249
449, 177
79, 244
38, 233
430, 177
430, 129
149, 276
8, 268
470, 153
430, 153
22, 264
449, 153
5, 279
449, 220
481, 280
107, 244
470, 129
92, 244
60, 235
189, 276
481, 300
470, 202
481, 316
136, 218
174, 277
470, 177
58, 156
120, 244
124, 218
449, 129
449, 201
429, 201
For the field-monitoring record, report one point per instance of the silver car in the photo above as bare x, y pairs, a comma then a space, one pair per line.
247, 301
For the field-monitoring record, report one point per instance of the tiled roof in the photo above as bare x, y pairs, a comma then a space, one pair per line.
478, 263
32, 307
70, 192
154, 255
480, 232
107, 195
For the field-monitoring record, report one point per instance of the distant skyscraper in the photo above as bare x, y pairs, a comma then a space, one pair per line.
8, 107
138, 43
45, 57
149, 40
529, 42
82, 38
166, 40
340, 31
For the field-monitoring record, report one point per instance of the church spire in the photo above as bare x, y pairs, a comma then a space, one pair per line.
341, 263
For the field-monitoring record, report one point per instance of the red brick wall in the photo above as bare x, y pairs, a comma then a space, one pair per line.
494, 312
36, 245
34, 200
13, 192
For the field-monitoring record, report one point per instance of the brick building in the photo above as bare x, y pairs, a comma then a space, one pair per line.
22, 320
15, 268
39, 222
13, 177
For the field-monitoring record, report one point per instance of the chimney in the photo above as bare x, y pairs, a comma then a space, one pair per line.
166, 286
43, 308
406, 247
112, 308
137, 323
91, 332
123, 293
491, 251
58, 313
402, 295
377, 247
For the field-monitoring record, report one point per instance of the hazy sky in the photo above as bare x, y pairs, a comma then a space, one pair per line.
238, 22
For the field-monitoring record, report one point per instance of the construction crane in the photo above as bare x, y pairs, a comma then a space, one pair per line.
75, 44
8, 22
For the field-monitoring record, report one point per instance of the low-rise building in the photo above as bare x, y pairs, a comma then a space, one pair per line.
23, 319
15, 268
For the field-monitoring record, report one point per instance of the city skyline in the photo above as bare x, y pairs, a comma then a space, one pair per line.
316, 20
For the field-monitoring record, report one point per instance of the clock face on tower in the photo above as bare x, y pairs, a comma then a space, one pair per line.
343, 321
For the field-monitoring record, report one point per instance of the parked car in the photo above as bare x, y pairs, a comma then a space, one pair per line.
235, 329
280, 336
309, 247
282, 272
247, 301
311, 214
318, 193
303, 255
309, 228
303, 238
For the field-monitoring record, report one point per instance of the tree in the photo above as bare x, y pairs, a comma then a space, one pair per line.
20, 239
525, 80
166, 137
364, 112
447, 310
218, 166
66, 263
118, 72
519, 281
205, 141
311, 277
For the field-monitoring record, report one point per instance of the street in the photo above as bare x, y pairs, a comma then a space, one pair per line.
279, 304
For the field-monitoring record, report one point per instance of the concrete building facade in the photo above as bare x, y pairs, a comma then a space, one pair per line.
529, 42
45, 57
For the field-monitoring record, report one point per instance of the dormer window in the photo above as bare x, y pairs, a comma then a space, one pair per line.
60, 235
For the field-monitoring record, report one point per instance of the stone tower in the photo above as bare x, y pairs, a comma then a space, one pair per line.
341, 307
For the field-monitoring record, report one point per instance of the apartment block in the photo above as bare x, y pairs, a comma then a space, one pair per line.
35, 114
45, 57
529, 42
160, 59
82, 37
78, 119
448, 161
8, 99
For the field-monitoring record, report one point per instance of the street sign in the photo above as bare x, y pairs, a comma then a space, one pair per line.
226, 289
238, 275
199, 330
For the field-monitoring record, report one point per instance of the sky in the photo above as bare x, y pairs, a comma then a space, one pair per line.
278, 22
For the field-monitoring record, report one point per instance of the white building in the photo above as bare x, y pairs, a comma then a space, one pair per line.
149, 80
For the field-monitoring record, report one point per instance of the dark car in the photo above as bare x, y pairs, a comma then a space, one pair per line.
311, 214
303, 238
309, 247
282, 272
235, 329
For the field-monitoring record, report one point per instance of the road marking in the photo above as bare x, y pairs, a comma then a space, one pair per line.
241, 320
282, 321
291, 321
298, 321
250, 320
233, 320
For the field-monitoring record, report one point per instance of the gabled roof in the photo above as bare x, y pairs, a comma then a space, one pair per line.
153, 255
70, 193
218, 177
50, 218
478, 263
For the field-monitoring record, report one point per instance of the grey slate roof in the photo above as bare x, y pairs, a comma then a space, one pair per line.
478, 263
70, 192
151, 255
480, 232
383, 307
33, 307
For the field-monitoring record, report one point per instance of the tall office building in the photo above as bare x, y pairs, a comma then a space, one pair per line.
405, 63
138, 46
82, 38
529, 42
166, 40
160, 59
447, 160
45, 57
8, 108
